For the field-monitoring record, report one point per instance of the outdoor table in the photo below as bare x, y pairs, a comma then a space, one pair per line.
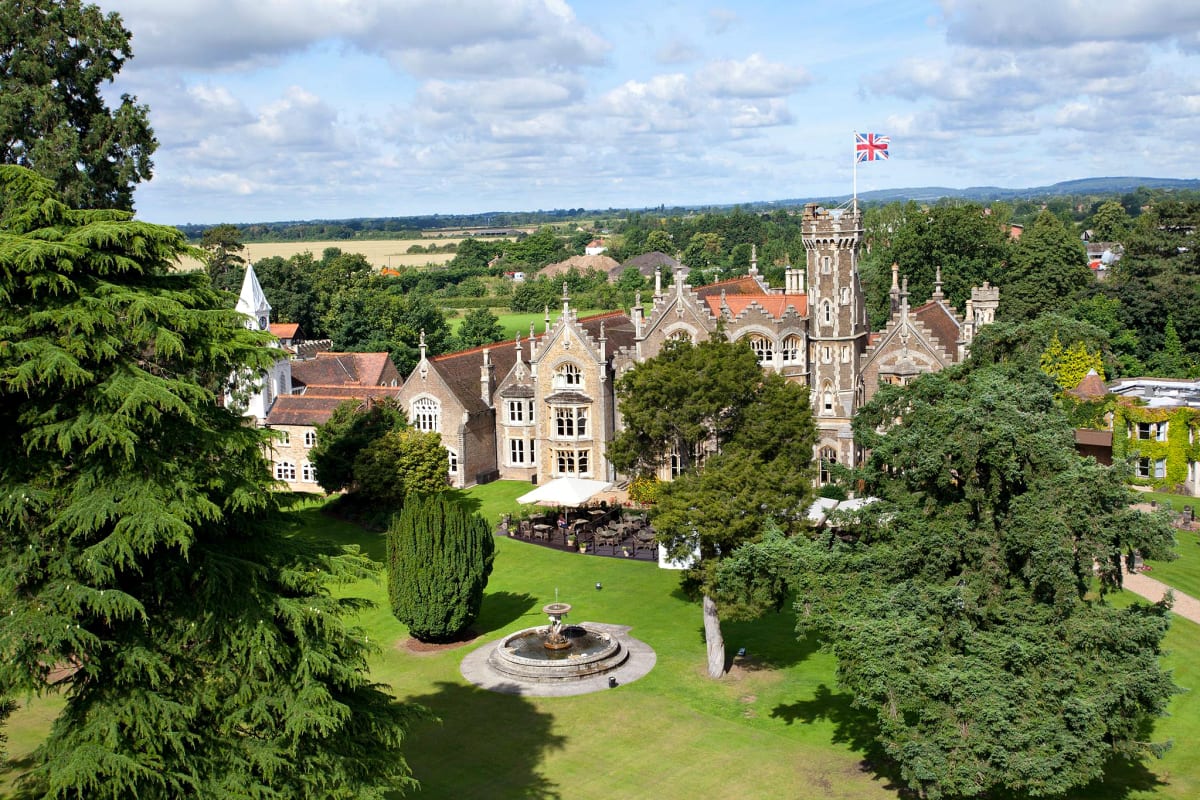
542, 531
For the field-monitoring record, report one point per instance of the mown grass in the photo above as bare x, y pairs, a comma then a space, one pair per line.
1183, 573
776, 727
512, 324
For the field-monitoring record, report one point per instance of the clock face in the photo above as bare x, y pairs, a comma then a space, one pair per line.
262, 323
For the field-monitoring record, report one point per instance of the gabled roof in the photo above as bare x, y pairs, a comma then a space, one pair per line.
943, 323
775, 304
333, 369
315, 406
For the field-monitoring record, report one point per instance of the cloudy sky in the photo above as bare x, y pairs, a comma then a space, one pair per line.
327, 109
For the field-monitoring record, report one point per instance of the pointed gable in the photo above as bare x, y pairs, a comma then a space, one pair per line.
943, 323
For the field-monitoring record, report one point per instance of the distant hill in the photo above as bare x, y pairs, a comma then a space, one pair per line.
928, 194
400, 227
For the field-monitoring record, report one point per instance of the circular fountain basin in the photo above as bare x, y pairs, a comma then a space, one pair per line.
589, 652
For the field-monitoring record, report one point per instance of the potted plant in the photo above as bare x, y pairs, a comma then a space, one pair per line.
583, 547
625, 550
570, 540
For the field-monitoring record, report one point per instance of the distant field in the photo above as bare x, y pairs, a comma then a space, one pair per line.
379, 252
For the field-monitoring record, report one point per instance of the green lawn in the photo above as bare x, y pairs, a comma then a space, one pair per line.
512, 324
1184, 572
776, 727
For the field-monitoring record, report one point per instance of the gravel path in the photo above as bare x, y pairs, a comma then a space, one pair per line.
1185, 606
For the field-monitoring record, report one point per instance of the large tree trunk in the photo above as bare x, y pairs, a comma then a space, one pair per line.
714, 639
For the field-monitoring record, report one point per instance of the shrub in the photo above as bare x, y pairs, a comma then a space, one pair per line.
439, 559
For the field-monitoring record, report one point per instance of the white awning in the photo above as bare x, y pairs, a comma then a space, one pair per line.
564, 492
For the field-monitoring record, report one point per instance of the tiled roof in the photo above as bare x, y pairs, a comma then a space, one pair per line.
647, 263
941, 322
1090, 388
775, 304
461, 370
315, 406
582, 263
743, 285
284, 330
333, 369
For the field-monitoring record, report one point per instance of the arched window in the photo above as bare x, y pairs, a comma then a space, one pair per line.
845, 295
764, 349
310, 438
827, 312
426, 415
285, 438
568, 377
285, 471
828, 458
791, 349
681, 335
308, 473
827, 398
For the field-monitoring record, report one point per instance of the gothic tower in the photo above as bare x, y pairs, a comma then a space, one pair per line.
837, 334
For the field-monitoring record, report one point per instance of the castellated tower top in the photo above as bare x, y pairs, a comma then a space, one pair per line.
839, 228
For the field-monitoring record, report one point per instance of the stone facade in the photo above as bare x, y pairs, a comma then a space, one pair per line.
544, 406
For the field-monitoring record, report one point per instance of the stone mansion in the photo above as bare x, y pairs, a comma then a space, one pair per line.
543, 406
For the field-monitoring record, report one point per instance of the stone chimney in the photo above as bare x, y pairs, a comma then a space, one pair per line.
487, 378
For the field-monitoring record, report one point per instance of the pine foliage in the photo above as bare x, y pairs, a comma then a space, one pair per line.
141, 545
961, 607
439, 559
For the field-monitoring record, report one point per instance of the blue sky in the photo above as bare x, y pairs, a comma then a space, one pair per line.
328, 109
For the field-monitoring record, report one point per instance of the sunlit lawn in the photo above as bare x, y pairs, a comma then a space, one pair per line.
512, 323
776, 727
1184, 572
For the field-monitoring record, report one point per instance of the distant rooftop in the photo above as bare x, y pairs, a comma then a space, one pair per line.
1160, 392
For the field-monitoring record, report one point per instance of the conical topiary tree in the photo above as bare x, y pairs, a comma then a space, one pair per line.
439, 559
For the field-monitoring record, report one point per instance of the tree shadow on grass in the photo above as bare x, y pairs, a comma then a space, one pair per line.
769, 641
488, 745
501, 608
857, 728
16, 766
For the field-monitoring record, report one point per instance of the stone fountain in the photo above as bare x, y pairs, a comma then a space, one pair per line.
559, 659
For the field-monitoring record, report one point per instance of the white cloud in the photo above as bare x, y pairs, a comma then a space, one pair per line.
427, 37
1037, 23
753, 77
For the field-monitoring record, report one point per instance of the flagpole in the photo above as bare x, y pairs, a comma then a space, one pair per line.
854, 172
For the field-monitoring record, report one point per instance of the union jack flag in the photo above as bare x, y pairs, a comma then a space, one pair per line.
871, 147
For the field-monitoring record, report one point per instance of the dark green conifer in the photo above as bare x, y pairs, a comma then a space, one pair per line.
439, 559
141, 546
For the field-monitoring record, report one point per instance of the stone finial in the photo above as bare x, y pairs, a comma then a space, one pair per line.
422, 344
753, 259
657, 282
547, 317
566, 300
937, 284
